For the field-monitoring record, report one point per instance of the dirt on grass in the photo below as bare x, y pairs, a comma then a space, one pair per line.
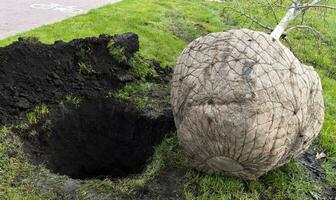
313, 165
167, 185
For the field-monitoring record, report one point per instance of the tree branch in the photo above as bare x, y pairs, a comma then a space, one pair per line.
293, 11
315, 32
250, 18
318, 6
273, 11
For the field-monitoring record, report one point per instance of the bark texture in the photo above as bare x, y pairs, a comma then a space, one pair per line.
244, 104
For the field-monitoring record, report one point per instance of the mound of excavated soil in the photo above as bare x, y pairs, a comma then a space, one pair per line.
102, 136
32, 73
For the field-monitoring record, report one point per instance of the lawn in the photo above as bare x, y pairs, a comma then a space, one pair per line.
165, 27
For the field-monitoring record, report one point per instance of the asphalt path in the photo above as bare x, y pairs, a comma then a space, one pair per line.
21, 15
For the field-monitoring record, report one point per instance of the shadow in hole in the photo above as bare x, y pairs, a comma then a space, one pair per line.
103, 138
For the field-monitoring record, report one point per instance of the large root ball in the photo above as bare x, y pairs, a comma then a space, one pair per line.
244, 104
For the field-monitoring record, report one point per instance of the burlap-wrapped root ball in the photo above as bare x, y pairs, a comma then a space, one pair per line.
244, 104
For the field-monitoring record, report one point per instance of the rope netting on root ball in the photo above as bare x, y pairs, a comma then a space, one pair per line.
243, 103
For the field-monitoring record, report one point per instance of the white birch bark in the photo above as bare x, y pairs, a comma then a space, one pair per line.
294, 10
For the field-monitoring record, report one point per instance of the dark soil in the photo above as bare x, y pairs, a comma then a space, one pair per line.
101, 136
32, 73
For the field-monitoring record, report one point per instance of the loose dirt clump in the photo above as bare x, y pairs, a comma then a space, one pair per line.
330, 194
313, 166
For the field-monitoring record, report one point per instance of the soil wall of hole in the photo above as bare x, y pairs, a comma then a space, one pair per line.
102, 138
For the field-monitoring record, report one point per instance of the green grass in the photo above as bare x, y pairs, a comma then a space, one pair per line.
130, 93
38, 113
328, 134
15, 170
86, 69
165, 27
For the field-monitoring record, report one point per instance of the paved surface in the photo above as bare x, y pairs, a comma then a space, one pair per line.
21, 15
